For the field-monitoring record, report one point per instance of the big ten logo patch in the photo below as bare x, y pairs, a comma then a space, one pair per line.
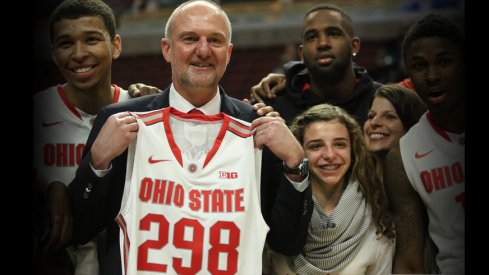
228, 175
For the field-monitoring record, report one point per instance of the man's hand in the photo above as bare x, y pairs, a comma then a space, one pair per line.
115, 136
274, 133
60, 221
262, 109
268, 87
140, 89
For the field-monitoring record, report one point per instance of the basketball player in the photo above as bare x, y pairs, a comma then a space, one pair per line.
84, 44
427, 170
198, 46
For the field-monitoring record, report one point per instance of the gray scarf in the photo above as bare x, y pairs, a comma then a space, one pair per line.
333, 241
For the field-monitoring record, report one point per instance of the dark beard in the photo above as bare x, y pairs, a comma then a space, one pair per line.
330, 75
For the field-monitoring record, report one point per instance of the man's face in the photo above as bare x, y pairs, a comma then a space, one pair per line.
436, 68
83, 51
327, 45
198, 47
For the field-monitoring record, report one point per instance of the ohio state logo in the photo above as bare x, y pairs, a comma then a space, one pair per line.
192, 167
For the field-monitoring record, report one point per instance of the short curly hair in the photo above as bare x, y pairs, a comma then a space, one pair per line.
74, 9
434, 25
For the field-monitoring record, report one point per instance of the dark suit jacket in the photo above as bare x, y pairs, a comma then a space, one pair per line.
96, 201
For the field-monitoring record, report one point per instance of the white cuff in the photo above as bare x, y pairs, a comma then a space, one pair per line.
299, 186
101, 173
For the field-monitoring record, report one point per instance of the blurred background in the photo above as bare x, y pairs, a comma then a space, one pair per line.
266, 34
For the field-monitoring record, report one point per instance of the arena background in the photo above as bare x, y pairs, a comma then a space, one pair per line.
265, 35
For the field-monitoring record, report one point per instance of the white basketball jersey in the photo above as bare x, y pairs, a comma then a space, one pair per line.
60, 133
435, 165
191, 197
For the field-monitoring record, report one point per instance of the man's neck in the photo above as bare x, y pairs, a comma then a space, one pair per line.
340, 90
92, 100
197, 96
453, 121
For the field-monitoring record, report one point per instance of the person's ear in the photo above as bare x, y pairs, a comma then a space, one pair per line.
52, 55
300, 50
165, 49
355, 46
116, 46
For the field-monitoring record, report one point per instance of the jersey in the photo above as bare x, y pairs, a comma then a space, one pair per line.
60, 133
191, 197
435, 165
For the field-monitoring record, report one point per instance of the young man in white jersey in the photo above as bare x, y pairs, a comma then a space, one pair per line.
198, 46
84, 44
426, 173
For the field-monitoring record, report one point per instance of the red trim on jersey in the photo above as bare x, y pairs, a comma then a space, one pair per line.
152, 117
117, 93
218, 140
67, 102
197, 116
241, 125
407, 83
169, 135
72, 108
235, 127
127, 244
173, 145
437, 129
148, 114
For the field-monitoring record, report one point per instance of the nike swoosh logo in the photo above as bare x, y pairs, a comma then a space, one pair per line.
48, 124
418, 155
151, 160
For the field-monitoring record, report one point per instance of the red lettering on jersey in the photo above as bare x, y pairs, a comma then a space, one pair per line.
161, 192
461, 199
442, 177
194, 198
238, 200
217, 201
63, 154
228, 175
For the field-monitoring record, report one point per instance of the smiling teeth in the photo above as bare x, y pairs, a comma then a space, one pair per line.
329, 167
377, 136
82, 70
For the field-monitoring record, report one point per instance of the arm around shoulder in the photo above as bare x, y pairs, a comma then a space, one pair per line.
407, 209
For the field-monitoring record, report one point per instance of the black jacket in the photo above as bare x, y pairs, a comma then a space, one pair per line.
288, 236
296, 99
96, 210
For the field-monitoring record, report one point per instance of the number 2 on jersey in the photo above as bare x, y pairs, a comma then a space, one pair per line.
196, 245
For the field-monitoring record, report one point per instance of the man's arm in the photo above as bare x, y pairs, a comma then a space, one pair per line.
141, 89
407, 209
269, 87
289, 220
286, 210
95, 201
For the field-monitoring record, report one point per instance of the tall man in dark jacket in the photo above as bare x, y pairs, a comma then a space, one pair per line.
198, 46
327, 74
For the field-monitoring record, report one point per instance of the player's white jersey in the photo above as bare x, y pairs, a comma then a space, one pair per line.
60, 133
191, 198
435, 165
